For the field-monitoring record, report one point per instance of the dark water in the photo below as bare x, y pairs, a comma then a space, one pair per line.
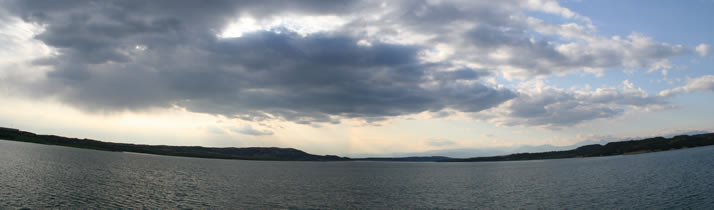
40, 176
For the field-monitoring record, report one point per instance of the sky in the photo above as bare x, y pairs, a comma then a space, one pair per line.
358, 78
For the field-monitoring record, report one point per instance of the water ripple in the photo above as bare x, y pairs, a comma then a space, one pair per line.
40, 176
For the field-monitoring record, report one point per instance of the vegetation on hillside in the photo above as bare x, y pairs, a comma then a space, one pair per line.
613, 148
272, 153
250, 153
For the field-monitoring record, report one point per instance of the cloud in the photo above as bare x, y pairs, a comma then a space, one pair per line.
703, 49
500, 36
439, 142
116, 57
550, 107
249, 130
138, 55
700, 84
518, 54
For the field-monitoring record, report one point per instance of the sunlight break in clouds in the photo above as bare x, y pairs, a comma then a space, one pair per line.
302, 25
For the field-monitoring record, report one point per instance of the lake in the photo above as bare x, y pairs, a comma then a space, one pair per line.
42, 176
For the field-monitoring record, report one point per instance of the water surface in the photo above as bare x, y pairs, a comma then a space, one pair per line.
42, 176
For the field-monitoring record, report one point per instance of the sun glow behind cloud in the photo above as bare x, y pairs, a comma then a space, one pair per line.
303, 25
19, 49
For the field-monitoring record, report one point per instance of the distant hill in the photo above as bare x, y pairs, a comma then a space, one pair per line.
250, 153
406, 159
613, 148
483, 152
289, 154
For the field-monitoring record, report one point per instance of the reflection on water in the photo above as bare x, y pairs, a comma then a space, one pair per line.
40, 176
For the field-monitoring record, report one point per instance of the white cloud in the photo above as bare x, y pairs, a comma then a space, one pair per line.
516, 48
703, 49
546, 106
249, 130
660, 65
700, 84
552, 6
303, 25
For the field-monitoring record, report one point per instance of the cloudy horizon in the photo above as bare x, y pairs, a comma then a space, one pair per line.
357, 77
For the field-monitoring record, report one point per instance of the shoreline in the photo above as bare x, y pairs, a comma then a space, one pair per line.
632, 147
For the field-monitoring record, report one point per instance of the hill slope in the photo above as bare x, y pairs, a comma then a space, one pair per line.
613, 148
250, 153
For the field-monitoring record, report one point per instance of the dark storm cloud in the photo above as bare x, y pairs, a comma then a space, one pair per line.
291, 76
118, 55
100, 31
